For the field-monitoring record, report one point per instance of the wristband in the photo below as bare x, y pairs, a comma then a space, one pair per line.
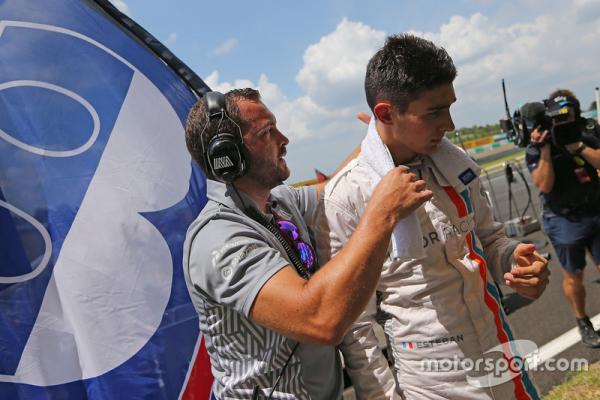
539, 145
579, 149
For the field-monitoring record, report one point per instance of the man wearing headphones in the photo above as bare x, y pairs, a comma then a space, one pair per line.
269, 314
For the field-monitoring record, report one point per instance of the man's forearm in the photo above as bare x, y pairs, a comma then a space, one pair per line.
346, 283
543, 174
321, 309
592, 156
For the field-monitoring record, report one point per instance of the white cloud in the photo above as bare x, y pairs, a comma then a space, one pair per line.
121, 6
293, 116
172, 38
535, 57
558, 48
226, 47
212, 80
335, 66
587, 10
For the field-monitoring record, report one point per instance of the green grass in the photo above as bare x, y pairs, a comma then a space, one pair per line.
491, 165
583, 385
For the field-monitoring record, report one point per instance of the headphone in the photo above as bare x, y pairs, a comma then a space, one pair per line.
225, 153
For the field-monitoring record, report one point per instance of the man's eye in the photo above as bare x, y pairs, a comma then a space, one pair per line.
263, 132
437, 113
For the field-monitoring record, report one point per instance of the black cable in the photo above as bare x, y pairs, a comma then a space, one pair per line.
283, 369
255, 392
240, 198
509, 202
532, 203
264, 221
513, 128
528, 189
494, 198
295, 260
510, 178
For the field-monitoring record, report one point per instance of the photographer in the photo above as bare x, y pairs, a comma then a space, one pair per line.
563, 164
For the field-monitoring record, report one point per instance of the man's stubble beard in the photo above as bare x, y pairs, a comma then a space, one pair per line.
266, 173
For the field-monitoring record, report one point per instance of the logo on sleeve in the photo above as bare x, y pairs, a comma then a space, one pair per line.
467, 176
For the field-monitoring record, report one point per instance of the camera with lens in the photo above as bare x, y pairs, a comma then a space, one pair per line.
560, 116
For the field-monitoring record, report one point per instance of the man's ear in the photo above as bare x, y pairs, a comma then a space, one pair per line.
383, 112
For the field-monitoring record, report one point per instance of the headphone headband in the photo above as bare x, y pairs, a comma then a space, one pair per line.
215, 105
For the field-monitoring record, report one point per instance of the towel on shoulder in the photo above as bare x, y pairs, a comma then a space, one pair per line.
457, 168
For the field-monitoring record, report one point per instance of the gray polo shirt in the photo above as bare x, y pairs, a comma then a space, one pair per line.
228, 257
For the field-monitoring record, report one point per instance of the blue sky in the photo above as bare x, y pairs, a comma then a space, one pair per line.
308, 58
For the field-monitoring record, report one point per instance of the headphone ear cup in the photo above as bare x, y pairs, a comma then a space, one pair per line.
226, 157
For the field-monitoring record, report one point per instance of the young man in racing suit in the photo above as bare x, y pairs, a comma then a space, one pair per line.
442, 304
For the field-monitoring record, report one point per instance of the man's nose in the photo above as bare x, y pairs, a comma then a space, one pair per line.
283, 137
449, 124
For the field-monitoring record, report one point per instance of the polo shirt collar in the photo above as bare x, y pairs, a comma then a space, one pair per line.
226, 195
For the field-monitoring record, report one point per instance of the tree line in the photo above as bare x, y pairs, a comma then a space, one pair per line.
472, 133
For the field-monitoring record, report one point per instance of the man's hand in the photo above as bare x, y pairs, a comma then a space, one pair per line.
529, 276
539, 137
591, 155
363, 117
398, 194
543, 174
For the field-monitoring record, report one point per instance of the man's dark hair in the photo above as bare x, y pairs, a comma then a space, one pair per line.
199, 129
405, 66
562, 92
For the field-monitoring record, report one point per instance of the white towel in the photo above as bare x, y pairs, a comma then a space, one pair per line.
407, 238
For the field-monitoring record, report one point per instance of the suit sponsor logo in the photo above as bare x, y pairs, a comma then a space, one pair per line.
439, 341
467, 176
448, 231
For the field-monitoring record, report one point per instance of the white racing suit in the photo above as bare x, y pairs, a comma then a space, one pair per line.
443, 311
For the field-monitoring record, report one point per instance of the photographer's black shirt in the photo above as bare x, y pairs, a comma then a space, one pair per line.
576, 189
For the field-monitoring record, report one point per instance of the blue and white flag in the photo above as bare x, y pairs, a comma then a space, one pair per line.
96, 192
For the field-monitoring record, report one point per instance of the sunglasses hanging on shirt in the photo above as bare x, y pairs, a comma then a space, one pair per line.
293, 255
